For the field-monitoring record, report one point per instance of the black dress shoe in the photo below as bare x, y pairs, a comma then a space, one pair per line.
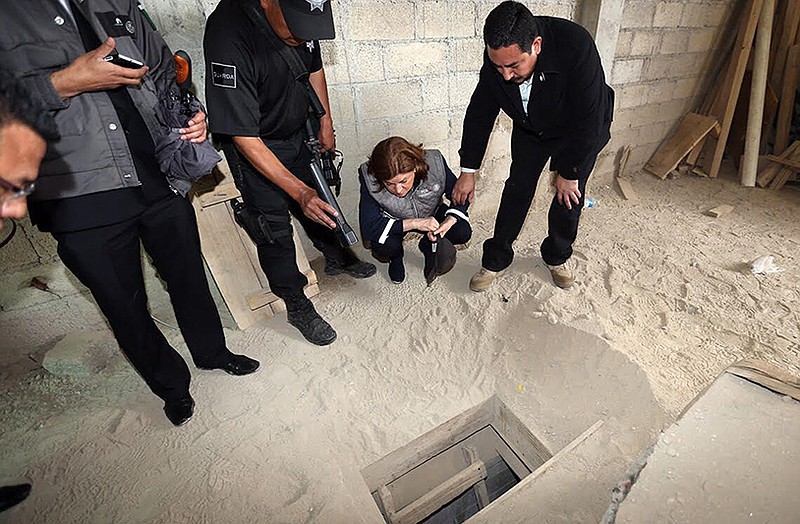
179, 411
12, 495
235, 365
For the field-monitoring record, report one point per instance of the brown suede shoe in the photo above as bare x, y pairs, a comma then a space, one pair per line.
482, 280
562, 276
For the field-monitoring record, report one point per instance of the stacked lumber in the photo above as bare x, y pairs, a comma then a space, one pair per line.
748, 110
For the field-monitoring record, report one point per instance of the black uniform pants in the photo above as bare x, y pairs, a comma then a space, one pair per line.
460, 233
528, 158
107, 260
279, 259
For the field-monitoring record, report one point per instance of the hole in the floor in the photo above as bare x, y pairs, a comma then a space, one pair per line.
452, 472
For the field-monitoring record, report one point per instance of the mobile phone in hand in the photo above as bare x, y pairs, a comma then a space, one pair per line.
124, 61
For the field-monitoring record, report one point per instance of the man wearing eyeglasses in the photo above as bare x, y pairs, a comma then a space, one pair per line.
24, 126
23, 129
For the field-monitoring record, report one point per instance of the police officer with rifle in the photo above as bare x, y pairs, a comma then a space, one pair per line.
263, 65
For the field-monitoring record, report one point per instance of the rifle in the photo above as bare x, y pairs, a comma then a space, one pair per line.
344, 233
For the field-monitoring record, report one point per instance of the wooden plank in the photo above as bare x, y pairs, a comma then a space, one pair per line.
691, 130
768, 173
386, 504
441, 495
788, 34
623, 163
694, 154
529, 448
784, 162
265, 297
481, 493
783, 174
401, 460
724, 110
719, 211
627, 189
786, 108
228, 261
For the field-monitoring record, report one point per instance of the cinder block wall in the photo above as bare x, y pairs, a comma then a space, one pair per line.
408, 67
665, 53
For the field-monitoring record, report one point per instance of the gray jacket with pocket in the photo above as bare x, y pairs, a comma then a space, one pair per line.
38, 37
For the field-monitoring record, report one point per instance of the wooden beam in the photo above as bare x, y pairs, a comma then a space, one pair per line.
627, 189
769, 172
481, 493
784, 40
421, 449
723, 111
692, 129
758, 91
386, 504
783, 161
441, 495
786, 107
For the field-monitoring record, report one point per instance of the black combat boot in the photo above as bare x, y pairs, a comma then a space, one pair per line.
348, 263
302, 315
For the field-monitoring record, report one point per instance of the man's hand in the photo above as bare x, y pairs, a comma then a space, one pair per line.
464, 190
326, 136
317, 209
443, 228
567, 191
195, 130
89, 72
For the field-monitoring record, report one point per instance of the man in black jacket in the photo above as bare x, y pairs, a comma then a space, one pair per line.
545, 73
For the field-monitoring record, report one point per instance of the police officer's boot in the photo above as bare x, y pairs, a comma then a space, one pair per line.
302, 315
347, 262
12, 495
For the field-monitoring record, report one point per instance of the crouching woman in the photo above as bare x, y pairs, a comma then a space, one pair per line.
402, 190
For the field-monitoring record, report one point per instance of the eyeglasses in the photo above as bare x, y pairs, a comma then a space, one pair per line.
15, 191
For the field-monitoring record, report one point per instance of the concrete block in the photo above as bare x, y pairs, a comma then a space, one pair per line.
638, 14
467, 54
701, 41
624, 44
389, 99
645, 43
674, 42
342, 101
668, 14
448, 18
366, 62
436, 92
660, 92
334, 59
415, 59
685, 88
82, 353
703, 15
631, 96
426, 128
461, 87
370, 133
627, 71
657, 68
378, 20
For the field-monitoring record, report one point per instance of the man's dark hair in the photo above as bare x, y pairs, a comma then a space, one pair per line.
510, 23
16, 105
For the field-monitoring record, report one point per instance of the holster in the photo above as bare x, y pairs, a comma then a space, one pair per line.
255, 223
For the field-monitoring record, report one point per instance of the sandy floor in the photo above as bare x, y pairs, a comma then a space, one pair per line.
664, 301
